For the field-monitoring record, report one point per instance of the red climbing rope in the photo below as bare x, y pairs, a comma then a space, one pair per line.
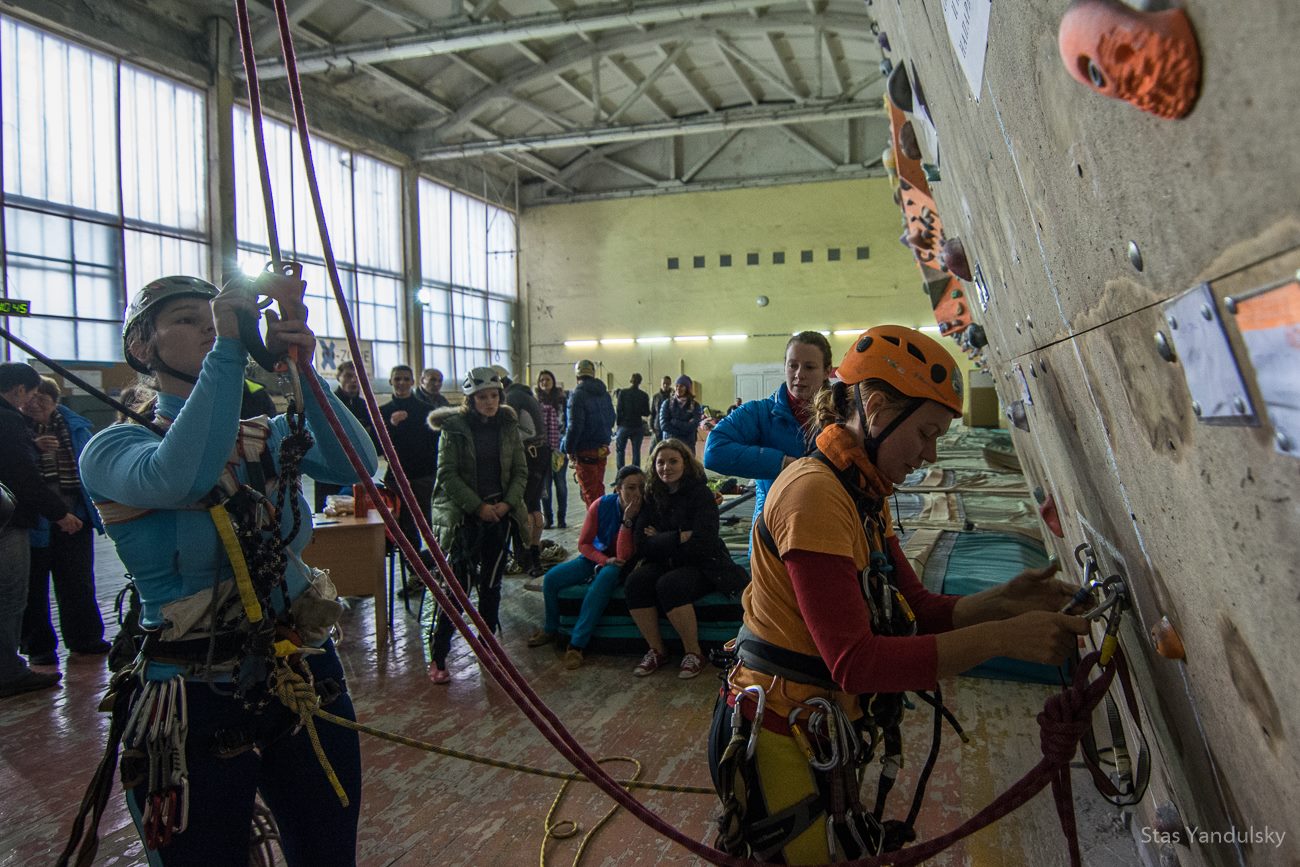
1064, 719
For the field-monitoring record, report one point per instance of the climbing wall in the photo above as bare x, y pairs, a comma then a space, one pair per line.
1126, 269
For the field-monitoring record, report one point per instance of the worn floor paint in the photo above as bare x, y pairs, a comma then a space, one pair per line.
420, 809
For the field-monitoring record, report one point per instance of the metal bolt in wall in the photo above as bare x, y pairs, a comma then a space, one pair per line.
1134, 255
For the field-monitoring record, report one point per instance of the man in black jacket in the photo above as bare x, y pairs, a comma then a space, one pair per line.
407, 417
32, 498
630, 414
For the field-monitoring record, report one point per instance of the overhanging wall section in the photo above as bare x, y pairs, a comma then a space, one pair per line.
1047, 183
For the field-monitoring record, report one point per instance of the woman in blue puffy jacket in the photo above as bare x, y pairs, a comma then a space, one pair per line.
760, 438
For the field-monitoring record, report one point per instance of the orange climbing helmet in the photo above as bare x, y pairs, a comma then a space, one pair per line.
914, 363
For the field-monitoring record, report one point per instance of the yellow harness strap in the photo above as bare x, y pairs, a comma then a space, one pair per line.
244, 581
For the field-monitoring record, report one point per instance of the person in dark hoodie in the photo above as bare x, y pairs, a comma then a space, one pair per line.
630, 415
348, 392
591, 419
33, 500
679, 417
415, 443
480, 495
679, 556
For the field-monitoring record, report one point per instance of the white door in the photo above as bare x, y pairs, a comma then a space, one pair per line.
754, 381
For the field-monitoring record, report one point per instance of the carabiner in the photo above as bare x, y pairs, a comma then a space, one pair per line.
760, 699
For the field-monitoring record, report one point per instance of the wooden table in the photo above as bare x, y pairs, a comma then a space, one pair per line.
352, 549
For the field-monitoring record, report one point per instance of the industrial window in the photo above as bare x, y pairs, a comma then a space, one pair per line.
833, 254
362, 200
698, 261
96, 203
724, 260
864, 252
673, 263
469, 280
805, 256
751, 258
778, 258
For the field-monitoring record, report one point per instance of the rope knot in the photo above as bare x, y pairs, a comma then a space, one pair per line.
1063, 721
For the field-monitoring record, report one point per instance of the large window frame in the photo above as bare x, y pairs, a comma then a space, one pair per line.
366, 238
468, 280
95, 203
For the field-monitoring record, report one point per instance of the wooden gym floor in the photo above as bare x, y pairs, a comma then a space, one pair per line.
420, 809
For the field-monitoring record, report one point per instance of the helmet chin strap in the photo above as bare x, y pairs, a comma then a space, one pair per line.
871, 443
160, 366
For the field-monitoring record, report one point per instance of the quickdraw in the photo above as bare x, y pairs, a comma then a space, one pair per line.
154, 739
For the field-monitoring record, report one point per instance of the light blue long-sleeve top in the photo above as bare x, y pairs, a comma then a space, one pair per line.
753, 441
173, 551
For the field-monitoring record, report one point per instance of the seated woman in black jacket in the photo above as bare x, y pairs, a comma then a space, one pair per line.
679, 556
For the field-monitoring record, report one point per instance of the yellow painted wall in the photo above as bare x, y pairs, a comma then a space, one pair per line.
599, 270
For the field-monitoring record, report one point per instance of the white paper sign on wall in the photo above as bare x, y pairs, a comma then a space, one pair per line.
968, 30
333, 351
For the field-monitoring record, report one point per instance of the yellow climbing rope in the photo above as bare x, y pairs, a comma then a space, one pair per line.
298, 694
244, 581
566, 828
569, 776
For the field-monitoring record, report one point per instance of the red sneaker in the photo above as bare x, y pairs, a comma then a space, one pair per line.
692, 665
649, 663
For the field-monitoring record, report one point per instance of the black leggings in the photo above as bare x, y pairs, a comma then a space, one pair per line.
652, 584
479, 558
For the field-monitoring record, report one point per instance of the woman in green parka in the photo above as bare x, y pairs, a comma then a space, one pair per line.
478, 498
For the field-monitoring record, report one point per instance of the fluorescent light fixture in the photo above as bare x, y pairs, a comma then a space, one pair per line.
930, 329
653, 339
581, 344
731, 337
848, 332
617, 341
692, 338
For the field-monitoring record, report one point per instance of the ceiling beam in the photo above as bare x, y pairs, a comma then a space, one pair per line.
735, 71
631, 171
741, 182
809, 145
787, 68
581, 55
835, 54
747, 118
632, 77
474, 35
759, 69
649, 80
268, 38
691, 84
398, 14
709, 156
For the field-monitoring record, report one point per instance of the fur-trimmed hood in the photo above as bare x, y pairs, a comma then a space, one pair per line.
439, 417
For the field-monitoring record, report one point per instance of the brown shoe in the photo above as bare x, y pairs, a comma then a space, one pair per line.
540, 638
572, 658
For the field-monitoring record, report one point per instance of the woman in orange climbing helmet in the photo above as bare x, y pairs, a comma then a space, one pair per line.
837, 626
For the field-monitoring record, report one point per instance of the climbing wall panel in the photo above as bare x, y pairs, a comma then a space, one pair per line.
1086, 216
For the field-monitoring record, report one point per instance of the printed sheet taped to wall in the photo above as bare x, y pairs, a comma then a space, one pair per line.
968, 30
1270, 327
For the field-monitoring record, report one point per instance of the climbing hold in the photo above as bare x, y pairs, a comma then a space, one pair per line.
1047, 511
952, 256
1167, 640
976, 338
931, 173
907, 142
1148, 59
899, 88
882, 39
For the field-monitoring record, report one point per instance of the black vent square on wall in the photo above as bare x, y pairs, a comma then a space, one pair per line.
778, 258
805, 256
751, 258
724, 260
673, 263
698, 261
864, 252
833, 254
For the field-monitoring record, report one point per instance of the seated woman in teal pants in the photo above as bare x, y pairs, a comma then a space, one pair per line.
604, 545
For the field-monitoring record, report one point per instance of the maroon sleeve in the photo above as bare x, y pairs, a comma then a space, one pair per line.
587, 536
933, 610
830, 600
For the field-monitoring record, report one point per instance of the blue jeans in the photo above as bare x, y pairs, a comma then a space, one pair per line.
620, 442
579, 571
